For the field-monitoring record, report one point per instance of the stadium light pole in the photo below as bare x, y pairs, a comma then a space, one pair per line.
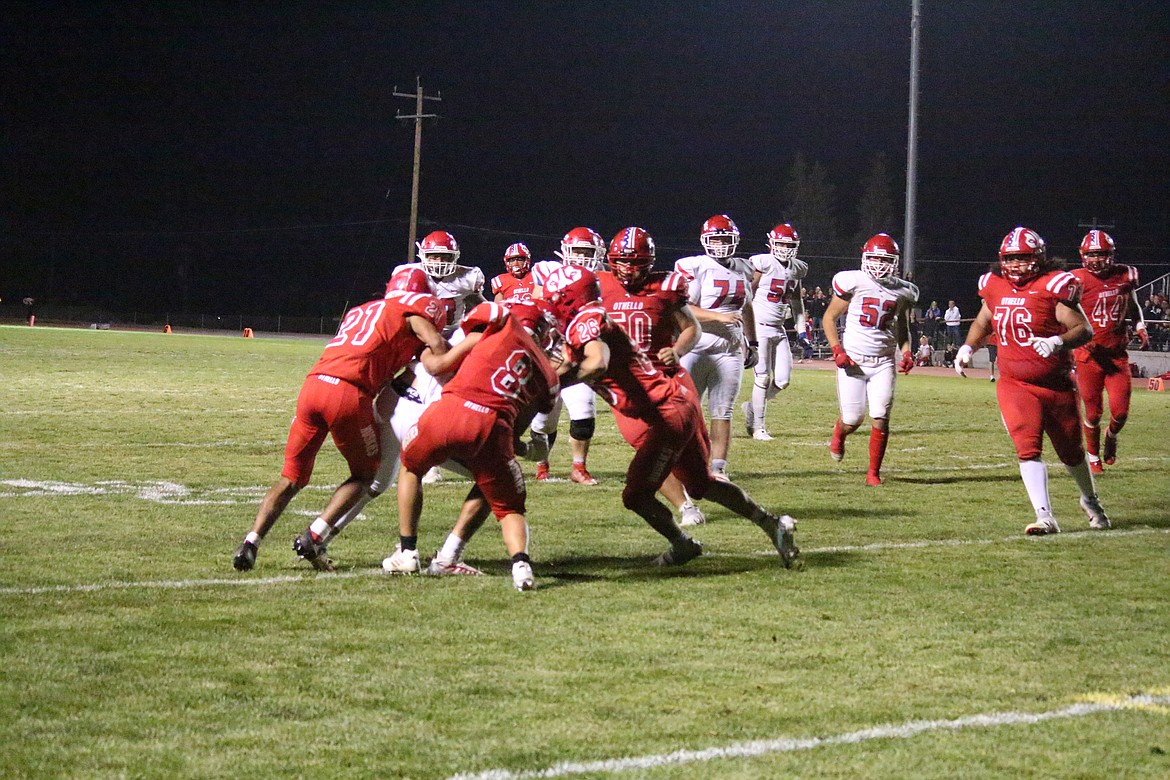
418, 116
912, 141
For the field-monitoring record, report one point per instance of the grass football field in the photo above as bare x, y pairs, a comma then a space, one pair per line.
925, 637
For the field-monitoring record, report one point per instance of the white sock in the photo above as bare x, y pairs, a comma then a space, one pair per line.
759, 406
1084, 479
321, 530
1035, 475
253, 537
451, 550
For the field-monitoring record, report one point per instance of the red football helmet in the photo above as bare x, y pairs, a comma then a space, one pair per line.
720, 237
518, 260
582, 246
880, 256
631, 256
439, 252
1020, 255
568, 289
1097, 250
412, 280
535, 318
783, 240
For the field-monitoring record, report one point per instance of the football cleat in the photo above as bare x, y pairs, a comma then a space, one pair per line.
1043, 526
541, 472
581, 475
762, 435
433, 476
1109, 450
691, 515
522, 576
686, 550
749, 417
1098, 520
537, 448
402, 562
873, 478
1095, 466
245, 557
720, 474
837, 446
785, 541
439, 569
313, 552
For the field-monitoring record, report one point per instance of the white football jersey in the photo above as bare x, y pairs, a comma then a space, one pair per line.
874, 307
717, 287
542, 270
773, 299
454, 290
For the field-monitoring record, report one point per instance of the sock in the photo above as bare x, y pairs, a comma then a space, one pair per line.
578, 461
320, 531
521, 556
451, 550
1115, 426
1035, 476
877, 448
1093, 439
408, 542
1084, 479
552, 439
253, 538
718, 465
759, 405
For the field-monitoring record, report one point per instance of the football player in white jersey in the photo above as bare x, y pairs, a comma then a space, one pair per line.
720, 297
776, 281
877, 306
583, 247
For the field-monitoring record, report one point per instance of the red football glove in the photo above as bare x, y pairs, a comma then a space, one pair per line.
907, 364
841, 358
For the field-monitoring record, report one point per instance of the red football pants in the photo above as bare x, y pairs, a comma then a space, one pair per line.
1029, 411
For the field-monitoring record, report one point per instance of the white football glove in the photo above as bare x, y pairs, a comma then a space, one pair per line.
963, 359
1045, 346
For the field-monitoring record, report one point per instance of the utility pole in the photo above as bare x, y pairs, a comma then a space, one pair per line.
912, 143
1093, 224
418, 116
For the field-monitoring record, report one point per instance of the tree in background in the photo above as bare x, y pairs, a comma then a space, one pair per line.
875, 210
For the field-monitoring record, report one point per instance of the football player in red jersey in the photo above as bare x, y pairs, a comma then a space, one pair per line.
1034, 310
499, 372
658, 415
1108, 292
651, 307
374, 342
518, 281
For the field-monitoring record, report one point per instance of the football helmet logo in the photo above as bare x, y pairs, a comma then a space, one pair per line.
880, 256
783, 241
719, 237
412, 280
582, 247
1097, 250
1020, 255
439, 252
569, 289
518, 260
631, 256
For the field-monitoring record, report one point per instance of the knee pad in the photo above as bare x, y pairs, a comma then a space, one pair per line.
582, 430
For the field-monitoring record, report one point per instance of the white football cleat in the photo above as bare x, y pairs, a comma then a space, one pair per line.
691, 515
1098, 520
762, 435
785, 541
522, 576
438, 568
433, 475
1044, 525
402, 562
749, 417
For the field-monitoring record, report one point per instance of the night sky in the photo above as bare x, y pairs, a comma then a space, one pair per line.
246, 157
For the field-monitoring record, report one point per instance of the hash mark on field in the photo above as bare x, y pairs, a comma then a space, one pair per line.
789, 745
311, 577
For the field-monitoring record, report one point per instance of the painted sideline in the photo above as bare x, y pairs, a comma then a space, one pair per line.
789, 745
311, 576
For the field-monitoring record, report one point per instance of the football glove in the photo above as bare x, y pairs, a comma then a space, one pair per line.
841, 358
963, 359
1045, 346
751, 355
907, 364
1143, 337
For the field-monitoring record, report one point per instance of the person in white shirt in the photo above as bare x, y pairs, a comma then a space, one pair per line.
776, 279
953, 318
720, 297
876, 304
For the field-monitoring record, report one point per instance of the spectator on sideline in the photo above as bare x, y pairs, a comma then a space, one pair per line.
925, 353
930, 320
952, 317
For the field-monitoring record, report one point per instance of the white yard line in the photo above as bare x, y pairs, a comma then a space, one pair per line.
789, 744
245, 580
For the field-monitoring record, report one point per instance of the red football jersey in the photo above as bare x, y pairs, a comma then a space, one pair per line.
506, 370
374, 341
645, 315
1019, 313
1105, 300
631, 384
511, 287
